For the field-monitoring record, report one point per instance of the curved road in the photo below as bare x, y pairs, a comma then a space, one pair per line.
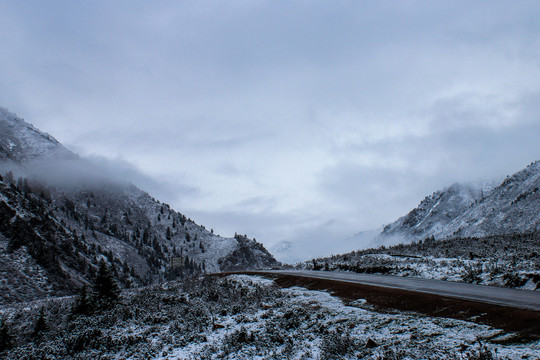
522, 299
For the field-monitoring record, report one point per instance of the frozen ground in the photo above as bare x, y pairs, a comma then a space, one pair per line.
244, 317
318, 326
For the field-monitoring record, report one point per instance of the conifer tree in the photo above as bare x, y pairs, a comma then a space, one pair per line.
41, 325
83, 304
6, 339
9, 177
105, 288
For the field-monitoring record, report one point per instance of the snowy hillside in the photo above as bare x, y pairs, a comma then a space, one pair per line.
20, 141
53, 236
512, 207
465, 210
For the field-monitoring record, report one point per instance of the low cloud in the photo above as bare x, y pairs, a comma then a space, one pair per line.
255, 118
73, 172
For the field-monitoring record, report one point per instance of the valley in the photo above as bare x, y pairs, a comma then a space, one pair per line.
94, 267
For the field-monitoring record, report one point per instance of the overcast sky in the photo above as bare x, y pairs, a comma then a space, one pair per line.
282, 119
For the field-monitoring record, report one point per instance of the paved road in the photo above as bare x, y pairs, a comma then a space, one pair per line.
522, 299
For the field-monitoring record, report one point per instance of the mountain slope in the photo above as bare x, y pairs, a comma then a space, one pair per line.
512, 207
464, 210
434, 212
53, 236
21, 142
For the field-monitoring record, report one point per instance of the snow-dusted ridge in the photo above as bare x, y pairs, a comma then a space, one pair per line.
21, 141
467, 210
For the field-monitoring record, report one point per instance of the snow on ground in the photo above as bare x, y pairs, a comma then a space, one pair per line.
21, 278
247, 317
462, 270
323, 318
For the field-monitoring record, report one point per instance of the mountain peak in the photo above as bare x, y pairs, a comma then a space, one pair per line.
22, 142
469, 210
434, 211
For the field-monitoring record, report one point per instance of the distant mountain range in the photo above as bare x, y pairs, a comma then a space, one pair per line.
466, 210
59, 218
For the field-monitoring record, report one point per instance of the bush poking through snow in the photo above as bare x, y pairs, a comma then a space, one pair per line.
514, 280
241, 317
40, 326
6, 339
471, 273
335, 345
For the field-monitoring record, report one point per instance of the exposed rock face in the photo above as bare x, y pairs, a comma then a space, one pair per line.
53, 237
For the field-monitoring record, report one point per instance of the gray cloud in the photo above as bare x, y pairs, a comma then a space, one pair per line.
250, 114
97, 171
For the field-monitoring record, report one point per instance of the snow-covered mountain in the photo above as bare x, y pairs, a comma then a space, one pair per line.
466, 210
53, 235
434, 212
21, 141
511, 207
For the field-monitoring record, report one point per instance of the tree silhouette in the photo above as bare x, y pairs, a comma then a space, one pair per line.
6, 339
83, 304
105, 288
9, 177
41, 325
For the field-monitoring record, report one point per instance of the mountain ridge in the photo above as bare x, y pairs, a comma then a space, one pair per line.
464, 210
21, 141
53, 235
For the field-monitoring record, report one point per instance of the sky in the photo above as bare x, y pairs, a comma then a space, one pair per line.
284, 120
